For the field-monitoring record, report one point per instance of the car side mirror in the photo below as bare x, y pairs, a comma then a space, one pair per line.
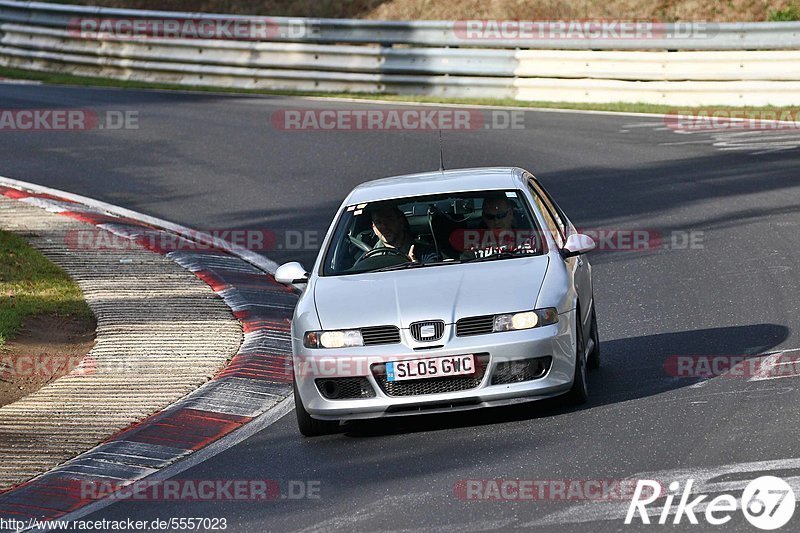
578, 244
291, 273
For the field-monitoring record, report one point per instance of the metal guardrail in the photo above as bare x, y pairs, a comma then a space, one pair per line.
663, 36
47, 37
620, 65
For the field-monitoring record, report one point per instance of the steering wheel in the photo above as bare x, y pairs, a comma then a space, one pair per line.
364, 247
383, 250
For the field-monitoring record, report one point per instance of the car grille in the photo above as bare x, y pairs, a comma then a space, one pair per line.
380, 335
417, 387
438, 330
345, 388
521, 370
475, 325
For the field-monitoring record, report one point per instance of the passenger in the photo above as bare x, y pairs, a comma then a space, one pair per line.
498, 213
499, 231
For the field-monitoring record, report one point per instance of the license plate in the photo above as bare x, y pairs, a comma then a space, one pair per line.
437, 367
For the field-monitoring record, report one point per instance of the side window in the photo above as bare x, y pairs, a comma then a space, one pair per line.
555, 212
551, 221
559, 213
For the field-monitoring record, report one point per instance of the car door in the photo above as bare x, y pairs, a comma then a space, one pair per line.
561, 228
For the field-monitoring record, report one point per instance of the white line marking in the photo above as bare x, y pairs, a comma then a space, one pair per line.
271, 96
12, 81
479, 106
247, 255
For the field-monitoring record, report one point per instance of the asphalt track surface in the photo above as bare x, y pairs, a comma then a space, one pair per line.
210, 161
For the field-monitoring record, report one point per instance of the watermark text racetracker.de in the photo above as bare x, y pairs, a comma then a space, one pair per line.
45, 366
206, 27
70, 120
578, 30
263, 240
606, 239
202, 490
732, 118
401, 119
175, 523
608, 490
96, 239
768, 366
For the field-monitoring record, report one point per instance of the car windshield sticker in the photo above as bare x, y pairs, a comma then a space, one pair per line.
511, 195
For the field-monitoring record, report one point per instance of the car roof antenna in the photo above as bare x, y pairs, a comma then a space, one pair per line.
441, 153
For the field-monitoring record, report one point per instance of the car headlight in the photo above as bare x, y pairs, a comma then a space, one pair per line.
333, 339
525, 320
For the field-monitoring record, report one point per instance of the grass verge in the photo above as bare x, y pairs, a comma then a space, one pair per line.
67, 79
31, 285
642, 10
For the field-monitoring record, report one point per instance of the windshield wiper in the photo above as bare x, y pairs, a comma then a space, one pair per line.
499, 255
403, 266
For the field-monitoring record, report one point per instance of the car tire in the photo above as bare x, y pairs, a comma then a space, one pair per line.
593, 359
311, 427
579, 393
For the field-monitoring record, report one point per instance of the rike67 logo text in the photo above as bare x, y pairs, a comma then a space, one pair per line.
767, 503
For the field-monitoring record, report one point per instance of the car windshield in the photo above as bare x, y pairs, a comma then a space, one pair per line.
432, 230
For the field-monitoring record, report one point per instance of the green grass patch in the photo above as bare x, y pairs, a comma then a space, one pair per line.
787, 14
67, 79
31, 285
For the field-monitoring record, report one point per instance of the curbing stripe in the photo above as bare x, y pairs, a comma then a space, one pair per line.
256, 380
27, 189
155, 320
187, 429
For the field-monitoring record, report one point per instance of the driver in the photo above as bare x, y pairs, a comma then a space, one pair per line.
393, 231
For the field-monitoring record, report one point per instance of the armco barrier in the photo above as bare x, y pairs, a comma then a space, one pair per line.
670, 36
336, 56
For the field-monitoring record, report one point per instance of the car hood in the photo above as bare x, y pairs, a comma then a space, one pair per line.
447, 292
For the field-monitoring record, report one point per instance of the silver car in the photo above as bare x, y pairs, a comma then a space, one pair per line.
442, 291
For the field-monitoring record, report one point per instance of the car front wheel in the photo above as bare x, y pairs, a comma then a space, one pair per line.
579, 393
311, 427
593, 359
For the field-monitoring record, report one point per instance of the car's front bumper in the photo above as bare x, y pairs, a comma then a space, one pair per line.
556, 341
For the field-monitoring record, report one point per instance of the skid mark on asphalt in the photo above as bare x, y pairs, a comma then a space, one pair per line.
479, 525
778, 365
752, 393
368, 514
755, 142
730, 478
